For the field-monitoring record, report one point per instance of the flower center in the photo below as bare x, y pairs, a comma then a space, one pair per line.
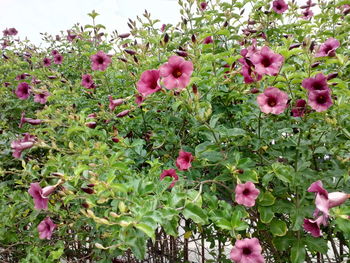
246, 192
247, 251
266, 61
177, 73
100, 60
317, 86
321, 99
153, 85
328, 48
271, 102
278, 6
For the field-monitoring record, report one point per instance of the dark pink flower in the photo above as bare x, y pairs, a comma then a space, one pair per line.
12, 31
299, 108
248, 71
46, 228
54, 52
23, 91
100, 61
183, 162
40, 195
273, 100
148, 83
267, 62
70, 37
279, 6
208, 40
41, 97
313, 226
307, 14
246, 194
114, 103
6, 32
320, 100
247, 250
321, 201
47, 62
176, 73
25, 143
22, 76
171, 173
328, 48
28, 120
58, 59
87, 81
204, 5
319, 82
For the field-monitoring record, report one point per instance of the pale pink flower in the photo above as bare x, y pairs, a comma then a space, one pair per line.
149, 82
183, 162
267, 62
273, 100
245, 194
46, 228
247, 250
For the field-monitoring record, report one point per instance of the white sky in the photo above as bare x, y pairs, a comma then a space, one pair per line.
30, 17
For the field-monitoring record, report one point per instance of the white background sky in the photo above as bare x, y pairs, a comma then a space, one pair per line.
30, 17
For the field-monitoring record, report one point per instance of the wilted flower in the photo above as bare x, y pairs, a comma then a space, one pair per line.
19, 145
114, 103
58, 59
139, 99
328, 48
247, 250
100, 61
299, 109
41, 97
176, 73
273, 100
319, 82
40, 195
47, 62
171, 173
320, 100
148, 83
28, 120
87, 81
23, 91
208, 40
183, 162
46, 228
246, 194
279, 6
267, 62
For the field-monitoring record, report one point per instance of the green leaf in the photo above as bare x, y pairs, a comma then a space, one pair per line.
316, 244
297, 253
266, 214
278, 227
195, 213
149, 231
266, 199
283, 172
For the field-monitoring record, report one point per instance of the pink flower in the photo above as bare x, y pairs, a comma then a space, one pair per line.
46, 228
320, 100
87, 81
279, 6
183, 162
163, 27
41, 97
273, 100
58, 59
247, 250
313, 226
70, 37
171, 173
148, 83
54, 52
248, 71
23, 91
100, 61
13, 31
246, 194
319, 82
337, 198
176, 73
267, 62
328, 48
40, 195
47, 62
307, 14
139, 99
28, 120
299, 108
22, 144
208, 40
114, 103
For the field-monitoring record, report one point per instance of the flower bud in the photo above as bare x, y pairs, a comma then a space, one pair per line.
124, 35
88, 190
123, 113
91, 125
48, 190
130, 52
332, 75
